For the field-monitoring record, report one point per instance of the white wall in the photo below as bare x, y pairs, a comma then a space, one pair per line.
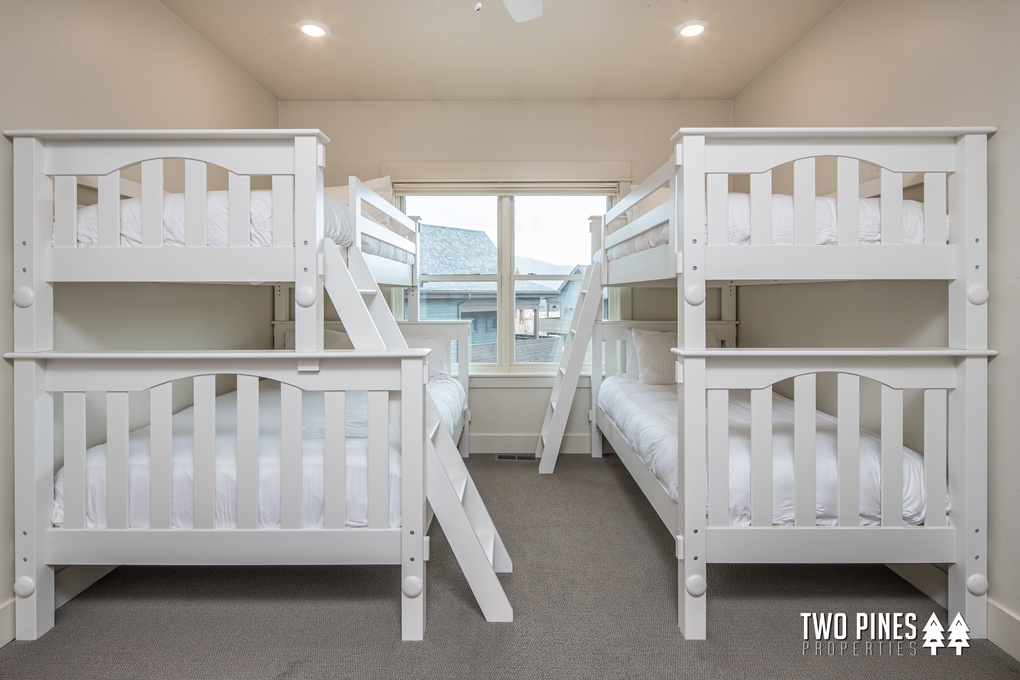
917, 62
365, 134
108, 64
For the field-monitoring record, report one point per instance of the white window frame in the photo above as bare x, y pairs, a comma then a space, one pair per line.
506, 180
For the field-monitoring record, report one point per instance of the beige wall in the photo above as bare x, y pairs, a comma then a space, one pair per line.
916, 62
107, 64
365, 134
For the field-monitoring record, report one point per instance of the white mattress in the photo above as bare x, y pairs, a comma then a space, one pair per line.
869, 216
450, 399
339, 224
647, 417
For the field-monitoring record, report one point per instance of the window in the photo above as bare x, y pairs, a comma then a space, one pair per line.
512, 264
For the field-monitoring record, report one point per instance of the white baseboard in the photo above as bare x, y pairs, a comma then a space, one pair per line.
6, 622
1004, 629
69, 582
525, 443
1003, 625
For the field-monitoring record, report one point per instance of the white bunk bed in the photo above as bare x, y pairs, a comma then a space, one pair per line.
352, 442
713, 487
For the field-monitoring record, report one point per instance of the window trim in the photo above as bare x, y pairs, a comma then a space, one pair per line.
506, 180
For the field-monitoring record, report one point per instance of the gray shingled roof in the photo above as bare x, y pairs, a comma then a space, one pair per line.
449, 250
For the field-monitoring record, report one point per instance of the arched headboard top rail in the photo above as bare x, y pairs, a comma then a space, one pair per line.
920, 368
139, 371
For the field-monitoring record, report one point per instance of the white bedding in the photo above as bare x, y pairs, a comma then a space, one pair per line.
647, 417
448, 394
739, 232
339, 224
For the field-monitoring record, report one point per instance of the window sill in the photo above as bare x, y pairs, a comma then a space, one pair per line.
519, 380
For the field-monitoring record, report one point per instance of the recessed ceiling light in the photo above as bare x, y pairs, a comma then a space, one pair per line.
313, 29
689, 29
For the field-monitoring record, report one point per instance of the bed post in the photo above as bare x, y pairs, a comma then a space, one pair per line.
688, 181
596, 228
33, 406
309, 159
413, 554
968, 403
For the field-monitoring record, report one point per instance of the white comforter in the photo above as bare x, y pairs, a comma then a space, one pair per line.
647, 417
448, 395
339, 223
739, 224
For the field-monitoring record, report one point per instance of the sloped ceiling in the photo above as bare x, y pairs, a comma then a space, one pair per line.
445, 50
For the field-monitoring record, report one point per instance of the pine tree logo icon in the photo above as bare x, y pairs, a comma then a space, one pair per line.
933, 638
959, 634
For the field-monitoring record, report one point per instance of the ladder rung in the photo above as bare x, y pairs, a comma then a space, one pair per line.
488, 541
459, 485
368, 291
573, 331
434, 430
552, 405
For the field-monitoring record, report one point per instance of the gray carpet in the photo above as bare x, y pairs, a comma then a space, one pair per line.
594, 596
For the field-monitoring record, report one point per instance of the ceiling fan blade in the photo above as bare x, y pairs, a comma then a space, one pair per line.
524, 10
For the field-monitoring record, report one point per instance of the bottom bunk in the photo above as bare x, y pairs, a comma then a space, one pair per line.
317, 458
739, 473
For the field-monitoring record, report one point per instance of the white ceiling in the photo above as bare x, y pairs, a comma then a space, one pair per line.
444, 50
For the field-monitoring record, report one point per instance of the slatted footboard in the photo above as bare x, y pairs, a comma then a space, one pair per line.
265, 484
953, 439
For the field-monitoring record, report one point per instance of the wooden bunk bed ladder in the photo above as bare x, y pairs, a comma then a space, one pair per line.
449, 488
568, 373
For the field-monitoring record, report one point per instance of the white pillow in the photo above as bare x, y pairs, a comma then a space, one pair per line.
655, 360
380, 185
336, 340
330, 340
439, 359
634, 364
633, 371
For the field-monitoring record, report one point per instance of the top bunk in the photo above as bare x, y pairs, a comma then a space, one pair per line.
193, 206
750, 205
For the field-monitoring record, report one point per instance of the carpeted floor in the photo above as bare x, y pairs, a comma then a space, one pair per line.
594, 596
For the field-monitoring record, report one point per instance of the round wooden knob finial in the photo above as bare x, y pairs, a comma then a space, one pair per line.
977, 585
412, 586
696, 585
24, 297
24, 587
304, 296
977, 294
694, 294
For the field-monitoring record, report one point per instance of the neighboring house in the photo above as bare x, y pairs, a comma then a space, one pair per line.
544, 308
